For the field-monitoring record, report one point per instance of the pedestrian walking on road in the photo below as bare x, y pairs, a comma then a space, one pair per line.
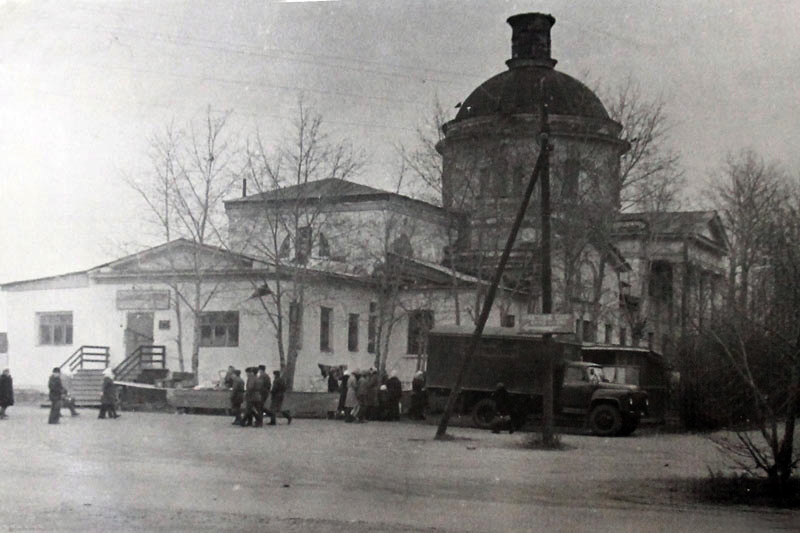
56, 390
6, 392
264, 386
108, 398
276, 401
237, 396
252, 400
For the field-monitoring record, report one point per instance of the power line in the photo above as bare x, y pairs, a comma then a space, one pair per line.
250, 49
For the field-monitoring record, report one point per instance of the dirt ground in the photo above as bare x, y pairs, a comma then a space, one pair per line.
164, 472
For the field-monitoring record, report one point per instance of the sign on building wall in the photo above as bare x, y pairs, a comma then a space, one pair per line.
551, 323
3, 342
137, 300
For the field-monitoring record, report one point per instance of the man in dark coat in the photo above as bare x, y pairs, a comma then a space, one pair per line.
417, 409
264, 386
6, 392
237, 396
340, 407
373, 386
276, 402
252, 399
56, 390
108, 398
227, 382
511, 413
395, 389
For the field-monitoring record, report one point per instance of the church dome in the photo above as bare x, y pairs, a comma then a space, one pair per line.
519, 90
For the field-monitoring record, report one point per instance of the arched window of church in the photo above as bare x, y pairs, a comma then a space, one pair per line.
324, 247
286, 248
402, 246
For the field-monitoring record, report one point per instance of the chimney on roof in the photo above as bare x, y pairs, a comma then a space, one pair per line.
530, 40
244, 187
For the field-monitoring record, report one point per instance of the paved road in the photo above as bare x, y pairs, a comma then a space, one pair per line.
149, 471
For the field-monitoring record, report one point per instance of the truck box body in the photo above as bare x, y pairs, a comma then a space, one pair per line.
503, 356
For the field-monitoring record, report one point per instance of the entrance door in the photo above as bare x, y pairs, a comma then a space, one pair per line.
138, 331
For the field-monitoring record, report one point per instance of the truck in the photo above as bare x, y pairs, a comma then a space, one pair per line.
517, 360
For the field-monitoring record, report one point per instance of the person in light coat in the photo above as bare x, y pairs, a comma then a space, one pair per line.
351, 401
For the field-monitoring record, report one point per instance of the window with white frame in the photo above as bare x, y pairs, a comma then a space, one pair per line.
219, 328
352, 332
325, 322
55, 328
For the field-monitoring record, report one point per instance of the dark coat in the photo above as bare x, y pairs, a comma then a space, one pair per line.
109, 396
418, 384
395, 388
237, 390
372, 390
278, 388
6, 391
502, 401
55, 387
264, 386
252, 393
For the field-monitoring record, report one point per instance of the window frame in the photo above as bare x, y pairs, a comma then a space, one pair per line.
65, 326
352, 332
325, 329
219, 329
415, 341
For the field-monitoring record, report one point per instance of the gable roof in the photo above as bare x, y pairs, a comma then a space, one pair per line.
171, 255
329, 188
332, 191
703, 226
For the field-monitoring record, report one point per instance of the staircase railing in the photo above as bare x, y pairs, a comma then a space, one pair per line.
87, 355
145, 356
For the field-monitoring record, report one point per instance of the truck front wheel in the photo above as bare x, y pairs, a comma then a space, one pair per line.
605, 420
629, 425
483, 413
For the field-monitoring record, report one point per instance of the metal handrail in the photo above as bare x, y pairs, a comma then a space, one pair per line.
87, 354
144, 354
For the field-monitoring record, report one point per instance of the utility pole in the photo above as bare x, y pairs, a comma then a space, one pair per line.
547, 285
489, 300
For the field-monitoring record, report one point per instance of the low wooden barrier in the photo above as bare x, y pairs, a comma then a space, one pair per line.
301, 404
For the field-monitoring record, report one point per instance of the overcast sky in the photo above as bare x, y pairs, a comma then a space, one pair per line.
83, 85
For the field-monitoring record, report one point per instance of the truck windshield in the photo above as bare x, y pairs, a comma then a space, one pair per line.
596, 374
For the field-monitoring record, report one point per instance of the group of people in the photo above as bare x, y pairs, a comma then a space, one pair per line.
253, 393
363, 396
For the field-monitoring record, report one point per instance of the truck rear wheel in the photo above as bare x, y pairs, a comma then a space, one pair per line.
605, 420
483, 413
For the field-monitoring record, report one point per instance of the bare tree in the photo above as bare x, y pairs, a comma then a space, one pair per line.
193, 170
290, 222
746, 192
650, 174
759, 346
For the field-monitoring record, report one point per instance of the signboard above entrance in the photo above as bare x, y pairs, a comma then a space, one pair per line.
133, 300
541, 324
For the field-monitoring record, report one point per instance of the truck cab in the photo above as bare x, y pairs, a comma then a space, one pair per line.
610, 408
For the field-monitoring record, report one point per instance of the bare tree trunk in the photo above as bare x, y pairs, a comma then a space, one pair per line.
288, 369
179, 324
